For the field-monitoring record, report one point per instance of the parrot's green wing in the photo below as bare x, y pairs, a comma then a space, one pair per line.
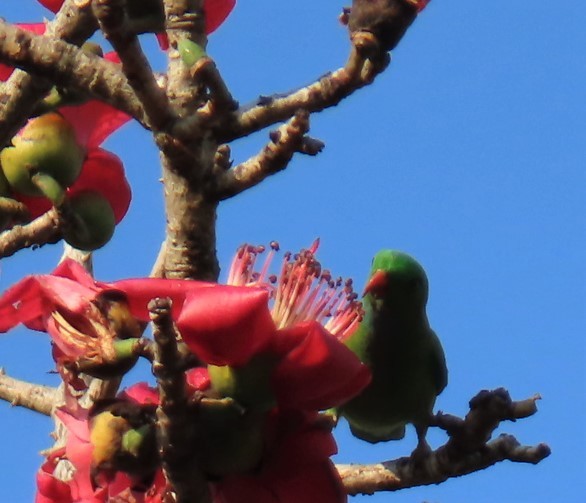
438, 365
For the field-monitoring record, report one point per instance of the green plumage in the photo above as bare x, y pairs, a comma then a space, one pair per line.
403, 353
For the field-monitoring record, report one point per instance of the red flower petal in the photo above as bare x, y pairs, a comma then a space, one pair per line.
34, 298
71, 288
163, 40
52, 5
79, 451
226, 325
318, 372
103, 172
140, 291
216, 12
94, 120
49, 488
198, 379
142, 394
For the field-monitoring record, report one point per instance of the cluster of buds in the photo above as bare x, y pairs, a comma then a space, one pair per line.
55, 160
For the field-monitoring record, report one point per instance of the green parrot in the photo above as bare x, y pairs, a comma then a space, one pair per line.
403, 353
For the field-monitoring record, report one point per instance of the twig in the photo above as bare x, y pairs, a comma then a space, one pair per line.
327, 92
13, 211
468, 449
206, 71
112, 18
43, 230
275, 157
35, 397
175, 430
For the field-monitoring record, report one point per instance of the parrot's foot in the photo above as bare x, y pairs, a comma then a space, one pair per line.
421, 452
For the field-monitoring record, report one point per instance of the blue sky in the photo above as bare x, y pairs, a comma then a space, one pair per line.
467, 153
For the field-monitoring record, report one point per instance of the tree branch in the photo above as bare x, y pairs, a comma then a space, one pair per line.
328, 91
469, 448
275, 157
35, 397
175, 430
43, 230
188, 162
113, 22
12, 211
68, 66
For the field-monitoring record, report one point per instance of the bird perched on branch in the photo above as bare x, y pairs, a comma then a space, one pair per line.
403, 353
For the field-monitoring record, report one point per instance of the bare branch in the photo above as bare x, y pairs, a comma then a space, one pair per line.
469, 448
206, 71
175, 429
21, 93
12, 211
68, 66
275, 157
35, 397
404, 472
43, 230
112, 18
327, 92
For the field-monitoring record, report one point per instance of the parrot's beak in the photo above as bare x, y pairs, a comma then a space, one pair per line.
377, 283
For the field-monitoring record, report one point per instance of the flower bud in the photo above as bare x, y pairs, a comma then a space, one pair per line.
249, 385
123, 360
4, 187
190, 52
231, 439
46, 146
93, 221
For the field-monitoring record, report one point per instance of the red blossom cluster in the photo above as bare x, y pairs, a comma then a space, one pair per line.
286, 372
102, 172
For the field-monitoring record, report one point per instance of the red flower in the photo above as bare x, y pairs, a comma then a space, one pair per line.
229, 325
102, 171
49, 488
314, 370
223, 325
216, 11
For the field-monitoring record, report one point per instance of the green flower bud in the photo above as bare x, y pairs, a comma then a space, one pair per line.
93, 221
190, 52
230, 440
103, 368
46, 145
249, 385
4, 186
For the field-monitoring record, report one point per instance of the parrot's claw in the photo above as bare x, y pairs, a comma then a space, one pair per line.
421, 452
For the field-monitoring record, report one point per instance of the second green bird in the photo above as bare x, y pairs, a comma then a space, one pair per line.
403, 353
